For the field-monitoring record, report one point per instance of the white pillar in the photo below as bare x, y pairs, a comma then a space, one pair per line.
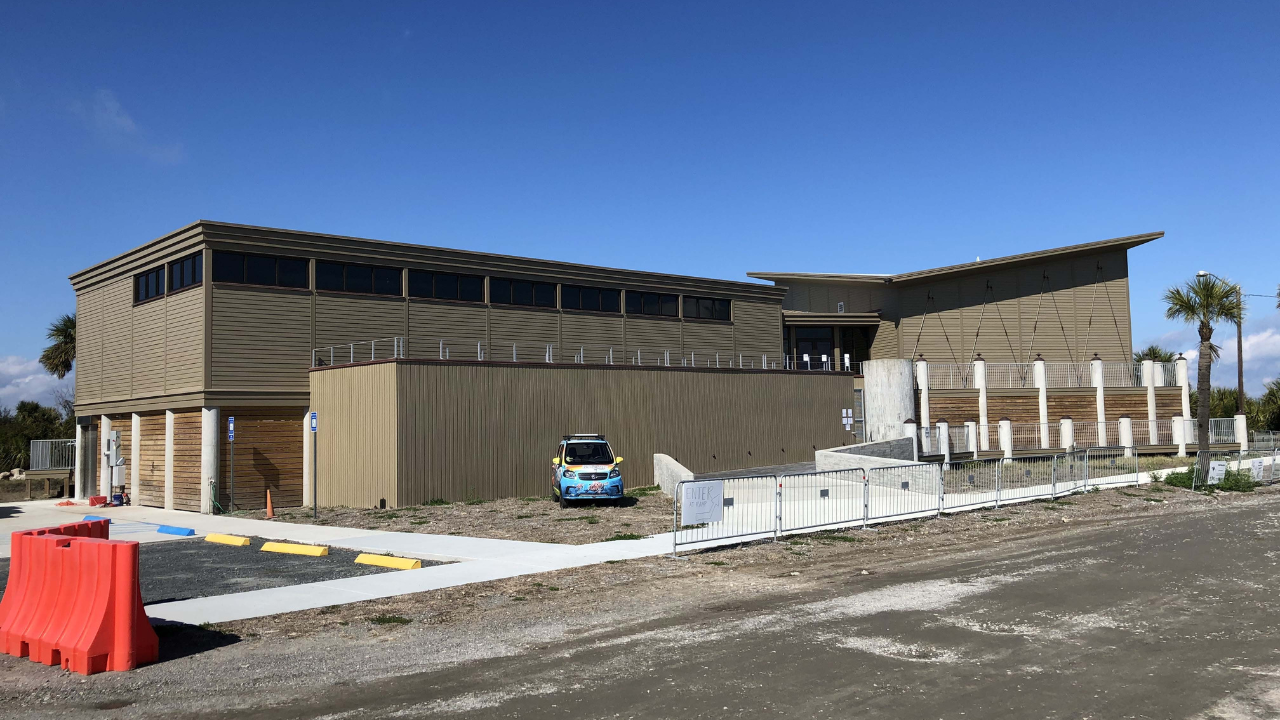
104, 474
1042, 384
944, 442
1067, 433
1242, 432
1179, 427
1006, 437
1180, 369
1126, 434
980, 382
909, 429
1098, 380
79, 489
971, 437
208, 457
922, 382
306, 459
168, 459
1149, 379
135, 457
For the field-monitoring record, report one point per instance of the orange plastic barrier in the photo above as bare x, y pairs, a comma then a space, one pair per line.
73, 599
97, 500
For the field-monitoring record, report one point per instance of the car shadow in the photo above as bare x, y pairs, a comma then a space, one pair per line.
179, 640
8, 511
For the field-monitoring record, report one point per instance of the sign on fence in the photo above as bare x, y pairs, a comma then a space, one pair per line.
1217, 471
702, 502
1257, 467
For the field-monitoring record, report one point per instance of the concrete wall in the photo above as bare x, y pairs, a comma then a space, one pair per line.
667, 473
890, 397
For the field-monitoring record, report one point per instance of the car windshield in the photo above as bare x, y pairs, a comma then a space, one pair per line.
588, 453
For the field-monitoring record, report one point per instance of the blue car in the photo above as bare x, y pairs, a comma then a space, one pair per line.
585, 469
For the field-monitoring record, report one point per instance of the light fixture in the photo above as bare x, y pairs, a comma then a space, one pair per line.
1202, 273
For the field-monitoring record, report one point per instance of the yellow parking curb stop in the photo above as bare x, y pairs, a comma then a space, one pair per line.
397, 563
295, 549
227, 539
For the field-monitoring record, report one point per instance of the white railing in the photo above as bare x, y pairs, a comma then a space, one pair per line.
1121, 374
365, 351
959, 376
1067, 374
1222, 430
950, 376
53, 454
1010, 375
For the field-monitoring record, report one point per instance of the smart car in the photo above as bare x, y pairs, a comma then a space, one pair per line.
585, 468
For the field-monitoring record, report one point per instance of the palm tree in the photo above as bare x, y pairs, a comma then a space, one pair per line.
1204, 301
1154, 352
61, 354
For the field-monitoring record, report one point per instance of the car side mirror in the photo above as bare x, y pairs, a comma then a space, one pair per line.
555, 461
617, 460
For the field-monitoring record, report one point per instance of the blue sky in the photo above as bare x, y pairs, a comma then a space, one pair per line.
701, 138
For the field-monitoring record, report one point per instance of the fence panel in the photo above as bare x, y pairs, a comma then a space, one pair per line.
1108, 466
1010, 375
749, 507
1026, 478
950, 376
1069, 472
904, 491
1222, 430
822, 499
971, 485
1066, 375
53, 454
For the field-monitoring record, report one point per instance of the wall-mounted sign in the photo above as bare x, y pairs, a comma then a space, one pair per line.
315, 421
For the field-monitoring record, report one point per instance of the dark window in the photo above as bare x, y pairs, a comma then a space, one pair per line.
228, 267
471, 288
186, 272
522, 292
573, 297
633, 302
359, 279
420, 284
670, 305
447, 287
386, 281
149, 284
260, 270
292, 272
649, 303
328, 276
706, 308
500, 291
544, 295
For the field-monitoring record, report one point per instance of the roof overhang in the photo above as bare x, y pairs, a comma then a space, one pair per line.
796, 318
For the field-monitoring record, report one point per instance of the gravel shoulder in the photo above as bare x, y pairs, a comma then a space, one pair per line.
275, 661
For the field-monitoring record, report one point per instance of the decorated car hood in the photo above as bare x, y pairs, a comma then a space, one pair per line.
590, 468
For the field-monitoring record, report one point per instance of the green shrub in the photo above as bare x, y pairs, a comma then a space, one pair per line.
1233, 481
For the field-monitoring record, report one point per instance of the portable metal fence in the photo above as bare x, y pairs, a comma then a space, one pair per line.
1109, 466
53, 454
1261, 465
904, 491
749, 511
1070, 472
1264, 440
809, 501
971, 484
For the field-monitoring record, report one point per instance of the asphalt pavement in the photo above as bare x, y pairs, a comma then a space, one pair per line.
1159, 618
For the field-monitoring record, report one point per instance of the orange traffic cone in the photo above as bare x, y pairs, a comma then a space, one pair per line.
271, 513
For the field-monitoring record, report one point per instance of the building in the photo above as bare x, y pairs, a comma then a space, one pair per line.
218, 320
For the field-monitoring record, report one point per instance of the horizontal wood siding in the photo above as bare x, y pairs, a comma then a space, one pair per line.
1125, 401
342, 319
148, 348
151, 461
1168, 403
186, 460
593, 335
117, 338
184, 341
529, 330
502, 423
268, 456
652, 337
261, 339
89, 331
705, 340
459, 325
1079, 406
757, 330
1018, 408
356, 448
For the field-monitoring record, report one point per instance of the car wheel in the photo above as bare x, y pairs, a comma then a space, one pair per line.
563, 503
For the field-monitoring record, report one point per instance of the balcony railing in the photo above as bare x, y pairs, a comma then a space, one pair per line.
960, 376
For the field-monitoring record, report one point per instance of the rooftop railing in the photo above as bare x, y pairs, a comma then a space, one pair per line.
961, 376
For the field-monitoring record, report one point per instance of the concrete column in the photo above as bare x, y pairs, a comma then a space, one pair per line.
971, 437
104, 474
79, 489
980, 382
1066, 433
1126, 434
1041, 378
890, 397
1006, 437
922, 382
168, 459
1149, 380
1179, 427
1242, 432
306, 459
1180, 369
1097, 379
208, 457
1157, 374
135, 457
909, 430
944, 442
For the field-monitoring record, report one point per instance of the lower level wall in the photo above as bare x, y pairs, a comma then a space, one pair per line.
1023, 406
268, 456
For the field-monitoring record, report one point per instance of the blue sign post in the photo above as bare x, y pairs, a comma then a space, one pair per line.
315, 425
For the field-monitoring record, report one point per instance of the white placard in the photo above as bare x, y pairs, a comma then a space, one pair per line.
702, 502
1259, 470
1217, 471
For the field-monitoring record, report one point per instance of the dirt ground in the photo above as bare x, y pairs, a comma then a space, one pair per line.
643, 512
611, 584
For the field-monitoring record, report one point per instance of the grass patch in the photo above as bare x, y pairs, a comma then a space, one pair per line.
1233, 481
623, 536
519, 598
523, 517
531, 499
389, 620
419, 522
437, 502
1129, 494
476, 501
988, 518
643, 491
385, 516
588, 519
1154, 500
841, 538
717, 563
